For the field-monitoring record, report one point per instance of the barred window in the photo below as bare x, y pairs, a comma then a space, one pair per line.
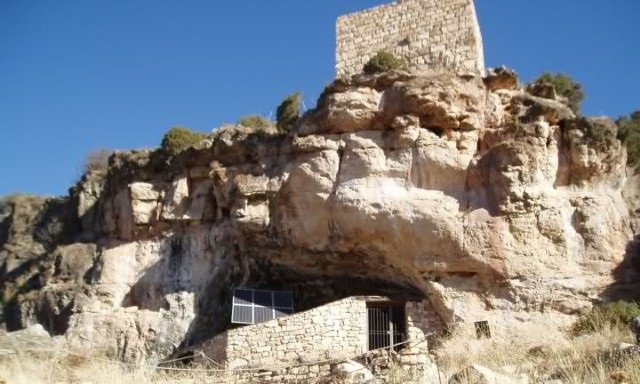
386, 325
482, 329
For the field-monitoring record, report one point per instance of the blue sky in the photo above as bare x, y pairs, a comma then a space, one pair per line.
77, 75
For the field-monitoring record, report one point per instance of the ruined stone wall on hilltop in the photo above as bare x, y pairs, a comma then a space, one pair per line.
428, 34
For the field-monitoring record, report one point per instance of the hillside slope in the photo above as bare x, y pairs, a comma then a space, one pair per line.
493, 203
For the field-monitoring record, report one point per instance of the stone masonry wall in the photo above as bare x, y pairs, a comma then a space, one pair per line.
422, 320
298, 346
334, 331
428, 34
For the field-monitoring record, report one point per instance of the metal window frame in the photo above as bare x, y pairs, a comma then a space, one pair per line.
397, 326
483, 330
253, 304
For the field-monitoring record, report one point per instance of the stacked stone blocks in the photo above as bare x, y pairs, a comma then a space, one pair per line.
305, 345
427, 34
333, 331
422, 321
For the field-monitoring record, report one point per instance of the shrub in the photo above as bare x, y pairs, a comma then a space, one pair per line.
382, 62
612, 315
178, 139
600, 131
629, 134
288, 112
565, 87
97, 161
255, 121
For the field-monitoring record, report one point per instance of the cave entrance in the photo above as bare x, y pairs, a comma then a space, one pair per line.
386, 325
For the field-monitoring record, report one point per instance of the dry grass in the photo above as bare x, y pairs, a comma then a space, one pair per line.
97, 161
19, 369
588, 359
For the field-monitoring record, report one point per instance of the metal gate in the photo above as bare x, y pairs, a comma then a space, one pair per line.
385, 326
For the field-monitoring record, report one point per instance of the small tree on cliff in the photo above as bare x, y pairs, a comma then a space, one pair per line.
179, 138
565, 86
629, 134
383, 61
288, 112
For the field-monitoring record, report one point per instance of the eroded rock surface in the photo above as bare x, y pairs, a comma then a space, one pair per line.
493, 203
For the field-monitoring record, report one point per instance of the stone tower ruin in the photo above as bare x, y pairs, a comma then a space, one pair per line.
428, 34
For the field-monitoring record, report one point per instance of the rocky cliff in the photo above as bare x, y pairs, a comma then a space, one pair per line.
492, 202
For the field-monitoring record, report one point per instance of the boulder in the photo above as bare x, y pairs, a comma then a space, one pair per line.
352, 372
501, 78
477, 374
177, 200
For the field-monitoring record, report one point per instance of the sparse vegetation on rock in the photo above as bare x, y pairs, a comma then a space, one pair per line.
255, 121
383, 61
629, 133
178, 139
97, 160
600, 131
288, 112
615, 315
564, 86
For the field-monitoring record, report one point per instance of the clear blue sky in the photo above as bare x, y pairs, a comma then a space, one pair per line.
77, 75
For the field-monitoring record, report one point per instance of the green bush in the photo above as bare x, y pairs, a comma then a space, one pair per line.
178, 139
611, 315
601, 131
565, 86
255, 121
629, 134
382, 62
288, 112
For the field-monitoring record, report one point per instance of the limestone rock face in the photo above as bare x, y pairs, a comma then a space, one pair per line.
501, 78
144, 202
132, 334
492, 203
